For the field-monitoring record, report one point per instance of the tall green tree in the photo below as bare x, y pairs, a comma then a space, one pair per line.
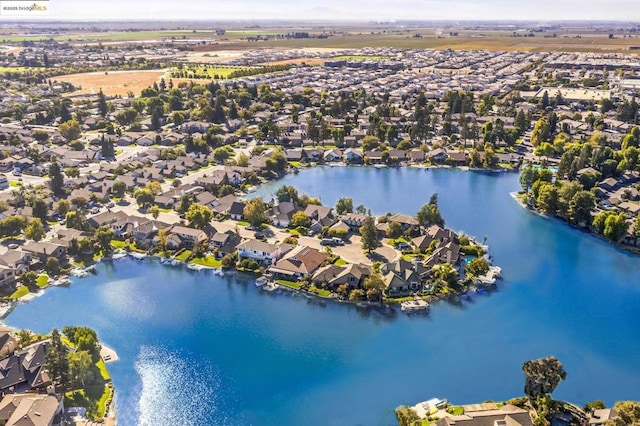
35, 230
430, 213
56, 179
580, 207
80, 368
254, 212
56, 361
542, 376
369, 235
344, 205
102, 104
199, 216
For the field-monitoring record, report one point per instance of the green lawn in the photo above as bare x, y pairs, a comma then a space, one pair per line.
20, 69
42, 280
118, 244
243, 223
319, 291
93, 398
20, 291
183, 256
104, 373
209, 261
340, 262
14, 184
205, 71
291, 284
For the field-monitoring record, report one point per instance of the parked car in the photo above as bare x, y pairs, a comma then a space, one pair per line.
338, 241
13, 246
259, 236
403, 246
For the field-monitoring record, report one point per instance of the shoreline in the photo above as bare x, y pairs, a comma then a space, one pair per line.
618, 246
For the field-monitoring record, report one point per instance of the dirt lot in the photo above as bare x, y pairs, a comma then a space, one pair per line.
112, 82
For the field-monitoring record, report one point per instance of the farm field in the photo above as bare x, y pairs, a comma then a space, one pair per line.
113, 82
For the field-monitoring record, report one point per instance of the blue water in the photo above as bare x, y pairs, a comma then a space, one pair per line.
197, 349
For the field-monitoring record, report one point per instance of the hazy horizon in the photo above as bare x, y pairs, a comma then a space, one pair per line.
335, 10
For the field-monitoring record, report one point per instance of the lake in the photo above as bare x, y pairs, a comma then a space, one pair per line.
198, 349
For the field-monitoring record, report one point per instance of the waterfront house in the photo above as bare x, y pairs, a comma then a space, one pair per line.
332, 276
25, 370
354, 220
506, 415
28, 409
43, 250
298, 263
224, 243
263, 253
601, 416
8, 343
185, 237
282, 214
402, 278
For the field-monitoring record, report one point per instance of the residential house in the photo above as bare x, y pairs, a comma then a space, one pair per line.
25, 370
282, 214
224, 243
263, 253
185, 236
236, 211
7, 276
354, 220
402, 278
18, 260
43, 250
8, 343
332, 276
299, 263
506, 415
28, 409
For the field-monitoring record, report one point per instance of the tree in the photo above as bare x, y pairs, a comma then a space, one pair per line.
70, 130
628, 414
52, 266
72, 172
118, 188
580, 208
35, 231
613, 226
103, 237
542, 376
154, 211
430, 213
395, 230
445, 273
374, 284
102, 104
242, 160
344, 205
254, 212
540, 132
287, 193
300, 219
29, 278
143, 196
40, 209
369, 235
154, 186
80, 367
25, 337
597, 404
199, 216
56, 361
548, 198
56, 179
477, 267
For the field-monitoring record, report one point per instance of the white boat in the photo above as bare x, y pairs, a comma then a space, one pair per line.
138, 256
270, 286
414, 305
120, 255
218, 271
79, 273
261, 281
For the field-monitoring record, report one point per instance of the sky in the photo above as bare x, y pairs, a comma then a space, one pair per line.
354, 10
